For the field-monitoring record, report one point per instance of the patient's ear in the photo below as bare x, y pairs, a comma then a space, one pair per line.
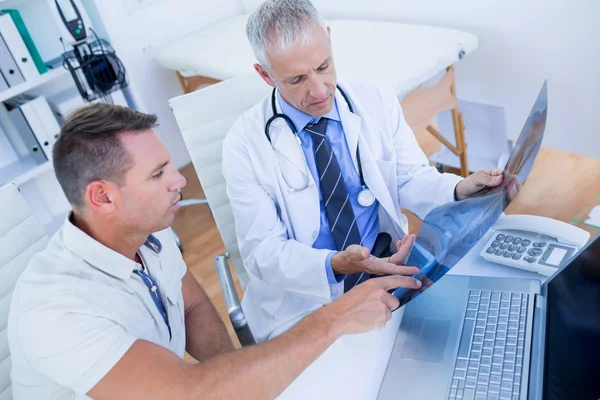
100, 196
264, 74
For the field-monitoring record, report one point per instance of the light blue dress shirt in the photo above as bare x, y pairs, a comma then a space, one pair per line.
367, 219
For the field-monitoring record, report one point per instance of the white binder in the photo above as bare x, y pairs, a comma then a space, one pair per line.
3, 84
8, 67
42, 122
7, 153
25, 141
17, 47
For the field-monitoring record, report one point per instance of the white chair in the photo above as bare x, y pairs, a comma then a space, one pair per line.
204, 118
21, 236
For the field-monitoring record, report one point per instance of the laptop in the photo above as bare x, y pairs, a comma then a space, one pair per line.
501, 338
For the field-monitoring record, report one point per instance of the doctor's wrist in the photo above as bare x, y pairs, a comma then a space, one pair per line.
351, 260
339, 263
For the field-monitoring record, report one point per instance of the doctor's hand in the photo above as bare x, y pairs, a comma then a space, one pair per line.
513, 186
477, 181
367, 306
358, 259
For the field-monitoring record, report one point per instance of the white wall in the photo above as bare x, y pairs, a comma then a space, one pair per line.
521, 43
135, 35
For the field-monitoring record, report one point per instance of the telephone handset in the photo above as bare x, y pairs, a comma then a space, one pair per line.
533, 243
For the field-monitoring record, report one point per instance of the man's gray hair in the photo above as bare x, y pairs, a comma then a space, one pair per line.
277, 25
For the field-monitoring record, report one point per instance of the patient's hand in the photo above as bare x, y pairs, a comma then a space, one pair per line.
367, 306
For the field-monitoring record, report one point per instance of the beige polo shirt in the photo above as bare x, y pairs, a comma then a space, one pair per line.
79, 306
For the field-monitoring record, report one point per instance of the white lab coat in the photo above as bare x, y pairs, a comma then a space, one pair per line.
276, 227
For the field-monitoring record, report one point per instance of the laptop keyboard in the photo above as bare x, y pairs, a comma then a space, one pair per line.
489, 364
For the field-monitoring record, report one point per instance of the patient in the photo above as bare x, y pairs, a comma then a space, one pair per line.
108, 309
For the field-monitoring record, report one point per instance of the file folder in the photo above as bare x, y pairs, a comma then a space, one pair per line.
26, 134
24, 32
42, 122
3, 83
8, 66
17, 47
7, 153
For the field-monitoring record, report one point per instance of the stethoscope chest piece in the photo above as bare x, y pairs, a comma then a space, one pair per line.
366, 198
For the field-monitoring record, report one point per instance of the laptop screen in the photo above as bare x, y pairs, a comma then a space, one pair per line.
572, 354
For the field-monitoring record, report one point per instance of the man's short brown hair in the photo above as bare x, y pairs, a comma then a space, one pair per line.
89, 149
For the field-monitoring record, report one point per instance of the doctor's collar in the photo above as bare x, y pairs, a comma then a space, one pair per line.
300, 118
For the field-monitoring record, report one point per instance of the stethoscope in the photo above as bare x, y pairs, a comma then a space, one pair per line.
365, 196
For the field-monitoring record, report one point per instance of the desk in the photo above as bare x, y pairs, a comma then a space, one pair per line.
560, 186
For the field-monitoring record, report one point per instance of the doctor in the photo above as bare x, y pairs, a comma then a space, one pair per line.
318, 170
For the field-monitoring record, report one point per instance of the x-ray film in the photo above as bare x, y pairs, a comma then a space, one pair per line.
449, 231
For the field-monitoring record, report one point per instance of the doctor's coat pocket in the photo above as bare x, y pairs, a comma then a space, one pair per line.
385, 168
269, 300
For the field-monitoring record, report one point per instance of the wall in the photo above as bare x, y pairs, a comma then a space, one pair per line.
521, 44
135, 35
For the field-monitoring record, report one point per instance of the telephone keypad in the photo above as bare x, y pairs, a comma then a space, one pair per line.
509, 246
534, 252
527, 250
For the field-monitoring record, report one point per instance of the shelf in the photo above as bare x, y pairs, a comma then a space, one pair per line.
22, 171
32, 84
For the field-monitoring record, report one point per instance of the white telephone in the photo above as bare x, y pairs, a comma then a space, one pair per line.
533, 243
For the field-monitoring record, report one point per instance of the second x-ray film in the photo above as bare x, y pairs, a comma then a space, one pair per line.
449, 231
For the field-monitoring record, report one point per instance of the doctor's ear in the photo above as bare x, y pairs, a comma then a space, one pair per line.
264, 74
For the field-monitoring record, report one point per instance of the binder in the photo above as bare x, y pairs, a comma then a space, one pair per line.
7, 153
8, 66
26, 134
17, 47
3, 83
64, 103
12, 135
24, 32
42, 123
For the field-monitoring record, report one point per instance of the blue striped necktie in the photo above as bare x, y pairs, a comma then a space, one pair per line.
338, 208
